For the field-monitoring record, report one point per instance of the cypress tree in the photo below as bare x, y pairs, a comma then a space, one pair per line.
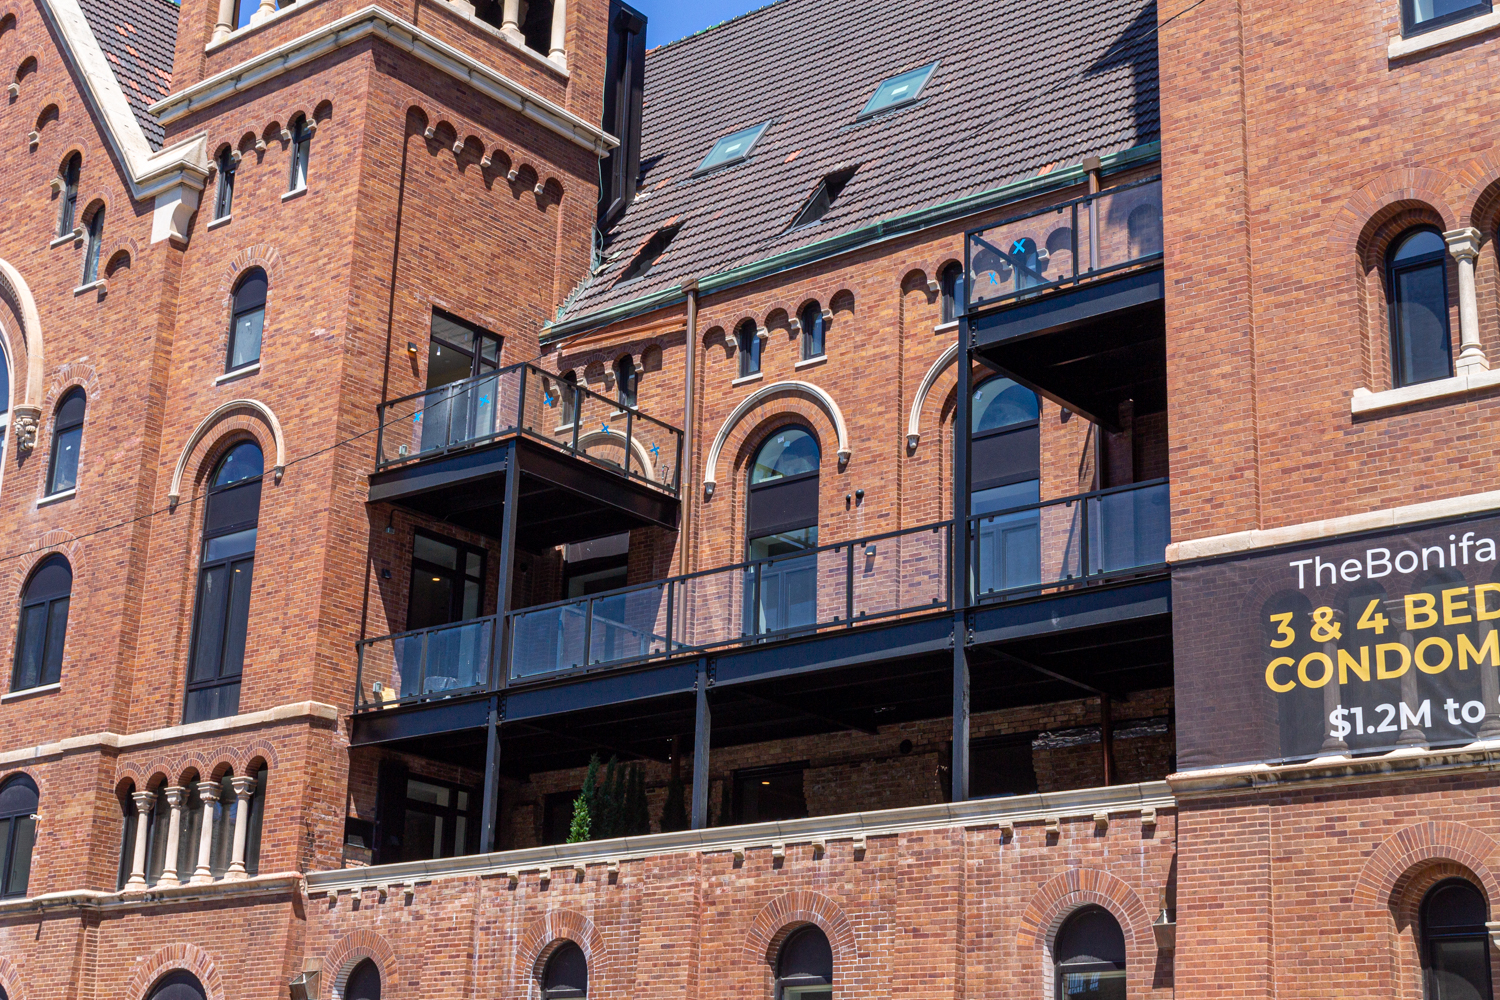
579, 829
640, 810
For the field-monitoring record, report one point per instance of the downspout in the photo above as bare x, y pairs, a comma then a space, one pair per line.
685, 475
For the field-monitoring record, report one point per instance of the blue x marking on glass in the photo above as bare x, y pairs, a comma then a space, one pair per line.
547, 398
604, 428
1018, 246
484, 401
655, 450
417, 418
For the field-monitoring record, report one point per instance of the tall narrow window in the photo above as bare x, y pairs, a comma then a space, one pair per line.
567, 974
626, 379
225, 571
95, 242
44, 625
462, 359
1090, 956
18, 806
301, 150
804, 969
68, 210
364, 982
952, 283
747, 338
67, 440
1005, 459
567, 391
247, 321
814, 328
1457, 944
1418, 290
781, 519
224, 195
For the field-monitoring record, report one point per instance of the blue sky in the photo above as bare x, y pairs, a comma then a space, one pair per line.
669, 20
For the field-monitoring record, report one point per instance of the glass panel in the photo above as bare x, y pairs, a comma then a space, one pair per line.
458, 657
548, 640
252, 833
904, 572
221, 849
1420, 243
789, 452
240, 577
30, 646
1129, 529
429, 549
898, 90
225, 546
473, 564
192, 832
5, 832
217, 702
731, 148
431, 601
445, 365
213, 599
471, 599
423, 791
1093, 985
999, 402
156, 859
247, 334
1422, 324
244, 461
1029, 253
629, 626
423, 836
57, 630
1431, 10
65, 459
601, 434
1129, 224
19, 876
1460, 969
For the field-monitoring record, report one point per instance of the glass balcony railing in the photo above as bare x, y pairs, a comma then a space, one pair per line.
1016, 553
524, 399
1066, 244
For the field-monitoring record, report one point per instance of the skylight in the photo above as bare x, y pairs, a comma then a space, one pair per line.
732, 148
898, 90
827, 192
648, 254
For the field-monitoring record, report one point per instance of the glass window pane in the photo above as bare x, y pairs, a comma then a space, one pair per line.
30, 646
1431, 10
247, 334
221, 849
65, 460
898, 90
244, 461
226, 546
999, 402
213, 599
431, 600
20, 859
240, 577
431, 550
57, 630
471, 599
1460, 970
732, 148
5, 832
422, 791
257, 815
473, 564
423, 836
1093, 985
1422, 324
789, 452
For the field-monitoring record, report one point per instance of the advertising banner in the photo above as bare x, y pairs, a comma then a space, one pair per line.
1346, 647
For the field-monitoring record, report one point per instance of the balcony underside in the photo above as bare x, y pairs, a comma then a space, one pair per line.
1089, 348
563, 499
1114, 640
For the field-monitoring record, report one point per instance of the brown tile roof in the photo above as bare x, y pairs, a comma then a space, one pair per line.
1022, 86
139, 38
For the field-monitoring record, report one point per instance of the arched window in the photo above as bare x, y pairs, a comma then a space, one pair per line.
301, 150
781, 519
363, 982
1005, 459
67, 440
952, 283
626, 381
1456, 942
567, 390
566, 974
748, 340
248, 320
18, 805
43, 626
179, 985
804, 969
814, 331
224, 576
68, 210
1090, 956
224, 194
95, 226
1417, 283
4, 399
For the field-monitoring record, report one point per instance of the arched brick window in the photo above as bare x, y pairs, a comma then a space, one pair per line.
804, 968
566, 976
301, 152
364, 982
1006, 463
1417, 283
94, 227
43, 627
627, 380
814, 331
179, 985
18, 806
1456, 944
1090, 956
247, 320
952, 283
67, 211
747, 337
67, 442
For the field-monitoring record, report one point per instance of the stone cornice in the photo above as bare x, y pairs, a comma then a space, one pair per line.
1322, 772
1142, 799
93, 742
89, 899
378, 23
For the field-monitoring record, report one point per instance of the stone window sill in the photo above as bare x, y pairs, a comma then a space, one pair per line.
949, 327
28, 692
72, 237
747, 379
53, 498
1401, 48
223, 220
238, 373
1363, 402
99, 285
293, 194
811, 362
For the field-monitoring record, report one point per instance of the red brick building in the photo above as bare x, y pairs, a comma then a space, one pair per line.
494, 511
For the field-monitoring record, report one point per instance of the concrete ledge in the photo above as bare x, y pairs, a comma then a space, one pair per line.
115, 741
1405, 762
1363, 402
90, 899
1401, 48
1333, 527
1082, 804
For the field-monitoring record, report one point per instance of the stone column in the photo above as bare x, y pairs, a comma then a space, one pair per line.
208, 791
510, 22
144, 803
244, 787
225, 23
1463, 244
176, 796
559, 53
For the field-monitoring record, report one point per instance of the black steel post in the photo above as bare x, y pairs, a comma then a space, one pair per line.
700, 750
509, 518
491, 777
959, 587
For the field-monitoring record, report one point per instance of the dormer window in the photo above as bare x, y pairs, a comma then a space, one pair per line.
899, 90
732, 149
823, 197
648, 254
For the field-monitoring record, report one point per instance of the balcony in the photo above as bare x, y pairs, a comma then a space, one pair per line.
587, 466
1069, 301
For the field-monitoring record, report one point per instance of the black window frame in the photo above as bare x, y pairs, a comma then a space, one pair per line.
951, 281
67, 213
357, 986
478, 363
12, 818
63, 424
449, 847
224, 189
1064, 967
1432, 939
744, 775
1410, 26
301, 150
627, 383
804, 965
459, 573
1393, 270
216, 497
1019, 430
50, 669
747, 341
245, 302
569, 952
814, 344
178, 984
93, 245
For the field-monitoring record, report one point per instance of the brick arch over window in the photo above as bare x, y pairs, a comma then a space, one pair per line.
1476, 188
170, 958
1402, 856
1391, 192
542, 937
807, 390
52, 543
258, 411
781, 916
353, 948
1056, 900
10, 980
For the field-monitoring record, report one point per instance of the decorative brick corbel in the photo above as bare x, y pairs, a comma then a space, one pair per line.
286, 135
260, 145
1101, 822
24, 422
56, 185
1054, 826
32, 138
14, 90
429, 132
458, 148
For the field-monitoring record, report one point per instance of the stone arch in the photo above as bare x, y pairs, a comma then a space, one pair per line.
1061, 895
543, 936
1399, 858
818, 395
353, 948
16, 294
781, 916
170, 958
924, 388
260, 410
10, 975
53, 543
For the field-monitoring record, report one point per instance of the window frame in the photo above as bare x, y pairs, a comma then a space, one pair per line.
224, 190
50, 603
870, 110
301, 149
564, 992
449, 846
755, 132
9, 822
1410, 27
813, 345
458, 574
67, 214
627, 373
951, 281
1432, 939
1063, 968
748, 342
59, 428
1394, 269
237, 310
93, 246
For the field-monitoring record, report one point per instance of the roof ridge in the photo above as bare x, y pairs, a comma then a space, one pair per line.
712, 27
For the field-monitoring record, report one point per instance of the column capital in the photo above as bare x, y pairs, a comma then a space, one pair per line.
1463, 243
243, 785
176, 795
208, 791
144, 801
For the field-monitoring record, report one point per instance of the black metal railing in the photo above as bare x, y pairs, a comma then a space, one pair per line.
1066, 244
526, 400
